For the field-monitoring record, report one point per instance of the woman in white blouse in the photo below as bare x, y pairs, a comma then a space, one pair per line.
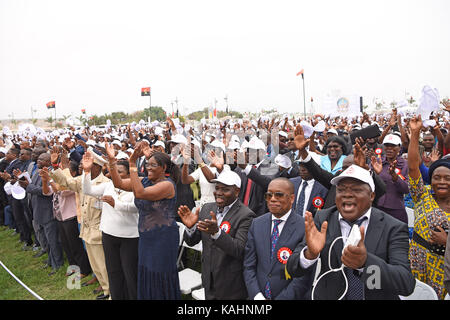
119, 226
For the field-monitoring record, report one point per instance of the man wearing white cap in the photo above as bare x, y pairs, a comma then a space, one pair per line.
222, 227
91, 210
382, 248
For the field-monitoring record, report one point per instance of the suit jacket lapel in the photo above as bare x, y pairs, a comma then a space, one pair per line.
311, 196
334, 231
285, 234
374, 230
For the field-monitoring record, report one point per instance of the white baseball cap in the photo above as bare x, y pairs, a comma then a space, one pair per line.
7, 187
332, 130
283, 161
229, 178
18, 192
178, 138
392, 139
159, 143
355, 172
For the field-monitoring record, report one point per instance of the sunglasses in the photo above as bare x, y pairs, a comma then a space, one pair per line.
291, 139
278, 195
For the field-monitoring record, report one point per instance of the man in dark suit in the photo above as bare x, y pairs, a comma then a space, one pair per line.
271, 239
222, 227
309, 193
377, 267
43, 214
324, 177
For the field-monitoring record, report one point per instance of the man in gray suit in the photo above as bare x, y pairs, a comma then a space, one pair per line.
222, 227
43, 214
377, 267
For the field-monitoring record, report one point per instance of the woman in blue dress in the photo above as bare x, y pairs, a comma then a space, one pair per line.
155, 197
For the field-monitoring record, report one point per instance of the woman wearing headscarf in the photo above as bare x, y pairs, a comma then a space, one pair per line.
432, 214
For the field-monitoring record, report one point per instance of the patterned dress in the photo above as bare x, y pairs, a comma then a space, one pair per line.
426, 266
158, 248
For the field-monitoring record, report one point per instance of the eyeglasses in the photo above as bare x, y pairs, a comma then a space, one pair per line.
291, 139
334, 146
278, 195
153, 165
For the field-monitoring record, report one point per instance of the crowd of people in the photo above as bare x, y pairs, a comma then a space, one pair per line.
268, 198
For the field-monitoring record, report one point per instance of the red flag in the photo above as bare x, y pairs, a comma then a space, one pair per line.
215, 112
300, 73
145, 91
83, 110
51, 105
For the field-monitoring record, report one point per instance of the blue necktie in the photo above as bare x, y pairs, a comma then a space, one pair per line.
355, 289
301, 199
274, 239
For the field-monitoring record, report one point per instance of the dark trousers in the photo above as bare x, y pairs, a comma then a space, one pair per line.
55, 254
21, 221
73, 245
121, 258
9, 218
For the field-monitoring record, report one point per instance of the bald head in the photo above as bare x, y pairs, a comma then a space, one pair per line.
286, 184
44, 160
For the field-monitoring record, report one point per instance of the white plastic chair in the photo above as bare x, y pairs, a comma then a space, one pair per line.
411, 218
189, 279
422, 291
199, 294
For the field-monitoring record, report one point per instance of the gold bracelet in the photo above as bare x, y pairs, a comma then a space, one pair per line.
201, 165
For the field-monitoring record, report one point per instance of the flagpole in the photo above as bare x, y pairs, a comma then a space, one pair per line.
304, 99
150, 100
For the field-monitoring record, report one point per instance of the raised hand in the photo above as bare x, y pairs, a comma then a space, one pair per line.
209, 225
43, 173
415, 124
392, 167
315, 239
217, 162
64, 159
355, 257
435, 155
188, 218
299, 140
110, 152
359, 155
377, 165
88, 161
54, 155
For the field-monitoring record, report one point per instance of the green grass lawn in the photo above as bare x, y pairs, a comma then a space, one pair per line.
29, 271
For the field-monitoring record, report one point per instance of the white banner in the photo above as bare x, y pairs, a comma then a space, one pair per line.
341, 105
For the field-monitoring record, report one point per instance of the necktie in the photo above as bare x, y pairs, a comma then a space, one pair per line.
301, 199
355, 289
274, 239
247, 191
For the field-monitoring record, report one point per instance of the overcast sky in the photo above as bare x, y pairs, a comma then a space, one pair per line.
99, 54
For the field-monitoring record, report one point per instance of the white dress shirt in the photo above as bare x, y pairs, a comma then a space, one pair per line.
120, 221
308, 191
345, 231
